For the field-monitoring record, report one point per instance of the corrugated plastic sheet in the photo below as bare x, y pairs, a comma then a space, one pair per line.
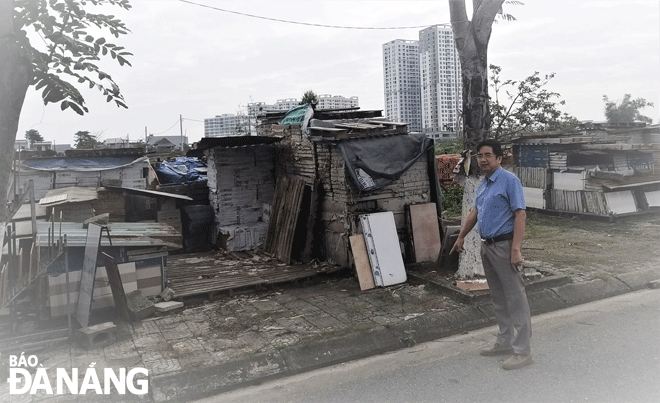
81, 164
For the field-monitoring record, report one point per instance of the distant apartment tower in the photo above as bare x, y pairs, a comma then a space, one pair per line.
441, 86
286, 104
402, 83
327, 101
226, 125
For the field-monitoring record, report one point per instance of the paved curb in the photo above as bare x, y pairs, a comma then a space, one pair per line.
207, 381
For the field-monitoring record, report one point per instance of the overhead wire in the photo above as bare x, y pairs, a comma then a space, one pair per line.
165, 131
298, 22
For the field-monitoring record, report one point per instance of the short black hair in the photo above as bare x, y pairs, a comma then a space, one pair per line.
494, 144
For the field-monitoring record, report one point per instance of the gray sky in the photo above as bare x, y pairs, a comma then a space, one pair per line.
198, 62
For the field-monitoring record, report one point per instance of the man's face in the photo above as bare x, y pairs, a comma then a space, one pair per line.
488, 162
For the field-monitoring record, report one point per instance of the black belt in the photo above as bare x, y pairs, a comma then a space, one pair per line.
499, 238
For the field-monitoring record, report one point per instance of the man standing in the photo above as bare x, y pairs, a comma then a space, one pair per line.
500, 212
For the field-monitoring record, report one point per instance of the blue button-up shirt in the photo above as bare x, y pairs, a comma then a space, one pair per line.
498, 198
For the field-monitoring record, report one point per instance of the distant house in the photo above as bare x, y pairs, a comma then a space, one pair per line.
164, 145
61, 148
116, 143
177, 141
20, 145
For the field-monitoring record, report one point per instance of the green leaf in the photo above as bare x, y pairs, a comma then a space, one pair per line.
77, 109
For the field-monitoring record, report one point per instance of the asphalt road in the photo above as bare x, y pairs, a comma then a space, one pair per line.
607, 351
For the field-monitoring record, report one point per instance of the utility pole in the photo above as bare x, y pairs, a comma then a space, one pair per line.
181, 130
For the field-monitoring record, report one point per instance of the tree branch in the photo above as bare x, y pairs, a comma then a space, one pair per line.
483, 15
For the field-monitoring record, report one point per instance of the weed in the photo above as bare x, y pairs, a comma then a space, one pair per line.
409, 338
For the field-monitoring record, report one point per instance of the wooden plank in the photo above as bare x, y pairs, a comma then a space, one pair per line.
85, 294
284, 217
311, 222
362, 265
280, 188
118, 294
425, 232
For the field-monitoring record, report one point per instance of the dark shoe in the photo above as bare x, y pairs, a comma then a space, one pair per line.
518, 361
497, 350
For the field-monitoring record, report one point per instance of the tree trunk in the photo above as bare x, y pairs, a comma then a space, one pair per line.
472, 44
14, 82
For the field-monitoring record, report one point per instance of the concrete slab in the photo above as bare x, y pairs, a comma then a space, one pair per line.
214, 379
168, 307
97, 336
639, 279
587, 291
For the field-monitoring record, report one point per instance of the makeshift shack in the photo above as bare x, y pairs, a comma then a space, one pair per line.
241, 182
600, 175
317, 178
89, 168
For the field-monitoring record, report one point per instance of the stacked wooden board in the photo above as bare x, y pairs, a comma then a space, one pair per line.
212, 272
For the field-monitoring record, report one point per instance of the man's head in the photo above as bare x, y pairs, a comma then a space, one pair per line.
489, 155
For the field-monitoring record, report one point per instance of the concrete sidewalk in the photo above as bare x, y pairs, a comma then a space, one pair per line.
259, 335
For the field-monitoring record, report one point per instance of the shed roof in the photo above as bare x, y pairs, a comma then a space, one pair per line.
73, 194
121, 234
229, 142
81, 163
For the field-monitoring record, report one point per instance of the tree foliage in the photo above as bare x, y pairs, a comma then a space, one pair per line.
627, 111
309, 97
526, 105
33, 136
84, 140
68, 46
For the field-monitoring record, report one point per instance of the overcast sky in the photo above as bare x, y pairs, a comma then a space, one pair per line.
199, 62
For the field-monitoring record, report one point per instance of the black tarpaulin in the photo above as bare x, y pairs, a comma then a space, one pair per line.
378, 161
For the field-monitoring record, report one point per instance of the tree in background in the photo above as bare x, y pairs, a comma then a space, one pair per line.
33, 136
627, 111
65, 54
309, 97
525, 106
84, 140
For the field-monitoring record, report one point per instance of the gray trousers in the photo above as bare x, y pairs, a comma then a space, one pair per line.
507, 290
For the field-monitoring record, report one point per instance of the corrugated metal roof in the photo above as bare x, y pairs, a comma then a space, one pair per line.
69, 195
146, 192
233, 141
121, 234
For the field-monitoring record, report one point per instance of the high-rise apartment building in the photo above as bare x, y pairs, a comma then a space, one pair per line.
402, 83
337, 102
226, 125
326, 101
440, 73
423, 82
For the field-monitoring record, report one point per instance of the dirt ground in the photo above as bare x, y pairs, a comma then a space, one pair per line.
582, 247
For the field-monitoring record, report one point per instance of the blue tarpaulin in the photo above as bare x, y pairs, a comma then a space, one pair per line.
181, 170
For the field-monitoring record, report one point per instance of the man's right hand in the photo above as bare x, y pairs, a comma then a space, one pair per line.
458, 246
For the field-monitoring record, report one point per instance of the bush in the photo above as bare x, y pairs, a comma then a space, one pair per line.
448, 147
452, 201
